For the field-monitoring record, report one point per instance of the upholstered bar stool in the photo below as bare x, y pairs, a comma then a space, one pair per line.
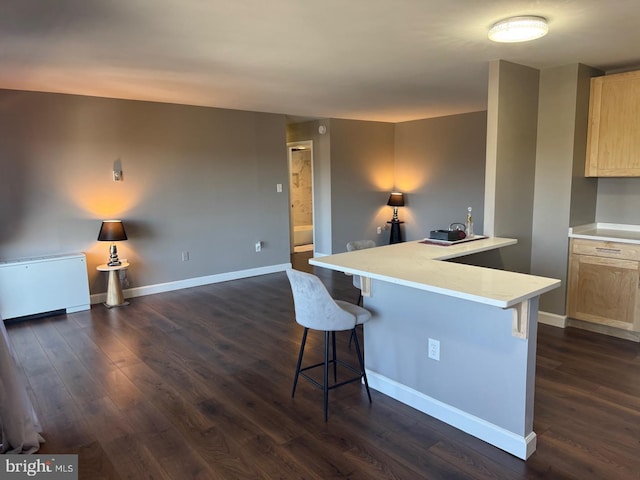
316, 310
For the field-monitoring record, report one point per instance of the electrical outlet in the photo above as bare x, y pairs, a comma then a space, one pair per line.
434, 349
185, 256
258, 246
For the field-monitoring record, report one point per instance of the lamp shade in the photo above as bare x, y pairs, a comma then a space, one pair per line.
396, 200
112, 231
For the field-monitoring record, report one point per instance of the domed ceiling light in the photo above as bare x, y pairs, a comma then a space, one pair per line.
519, 29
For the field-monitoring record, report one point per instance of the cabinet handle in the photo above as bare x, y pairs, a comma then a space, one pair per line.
608, 250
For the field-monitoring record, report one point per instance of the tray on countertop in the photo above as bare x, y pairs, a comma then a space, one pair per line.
434, 241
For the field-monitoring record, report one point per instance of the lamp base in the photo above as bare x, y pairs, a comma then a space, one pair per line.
114, 261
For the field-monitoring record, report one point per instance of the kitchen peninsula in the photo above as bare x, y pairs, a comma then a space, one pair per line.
455, 341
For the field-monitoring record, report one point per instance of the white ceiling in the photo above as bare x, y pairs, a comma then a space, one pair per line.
387, 60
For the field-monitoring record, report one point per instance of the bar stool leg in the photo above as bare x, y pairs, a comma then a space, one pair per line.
326, 375
360, 359
335, 364
295, 378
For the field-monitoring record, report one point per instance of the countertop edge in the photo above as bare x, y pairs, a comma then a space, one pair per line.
603, 232
517, 298
450, 254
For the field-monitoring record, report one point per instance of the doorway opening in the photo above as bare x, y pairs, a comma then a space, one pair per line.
301, 196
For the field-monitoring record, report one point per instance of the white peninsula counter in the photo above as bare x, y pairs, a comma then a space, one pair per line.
483, 320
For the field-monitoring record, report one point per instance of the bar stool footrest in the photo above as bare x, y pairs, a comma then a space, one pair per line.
336, 385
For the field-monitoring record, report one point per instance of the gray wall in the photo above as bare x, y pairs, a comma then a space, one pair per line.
203, 179
618, 200
196, 179
483, 370
440, 165
512, 119
584, 190
561, 190
361, 178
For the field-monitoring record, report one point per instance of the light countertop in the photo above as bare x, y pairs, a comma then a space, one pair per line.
608, 232
421, 266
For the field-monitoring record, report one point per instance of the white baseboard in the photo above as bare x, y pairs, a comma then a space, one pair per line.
552, 319
519, 446
193, 282
80, 308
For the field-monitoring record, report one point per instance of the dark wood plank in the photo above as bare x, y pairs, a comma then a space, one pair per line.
94, 463
197, 384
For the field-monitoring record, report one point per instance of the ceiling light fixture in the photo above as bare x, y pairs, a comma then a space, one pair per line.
519, 29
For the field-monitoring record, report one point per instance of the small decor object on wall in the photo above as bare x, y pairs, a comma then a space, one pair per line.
112, 231
396, 199
117, 171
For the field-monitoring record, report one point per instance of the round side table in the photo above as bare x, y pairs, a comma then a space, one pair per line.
115, 298
395, 235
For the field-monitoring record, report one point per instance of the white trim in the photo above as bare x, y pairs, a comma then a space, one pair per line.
520, 446
552, 319
194, 282
320, 254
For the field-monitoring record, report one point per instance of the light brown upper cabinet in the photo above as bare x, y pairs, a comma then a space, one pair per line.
613, 139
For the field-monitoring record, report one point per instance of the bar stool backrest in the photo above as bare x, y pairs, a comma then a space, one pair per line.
314, 306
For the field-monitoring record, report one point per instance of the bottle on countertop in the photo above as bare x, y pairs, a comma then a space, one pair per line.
469, 223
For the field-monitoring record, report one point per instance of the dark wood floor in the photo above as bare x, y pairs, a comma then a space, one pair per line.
196, 384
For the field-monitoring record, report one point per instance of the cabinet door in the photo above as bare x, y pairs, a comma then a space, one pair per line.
603, 290
613, 143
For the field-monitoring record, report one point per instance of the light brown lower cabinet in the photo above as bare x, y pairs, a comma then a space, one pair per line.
604, 282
